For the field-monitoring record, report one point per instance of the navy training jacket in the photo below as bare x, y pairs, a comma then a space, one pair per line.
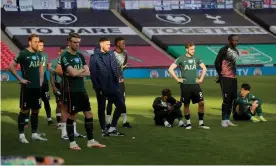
102, 78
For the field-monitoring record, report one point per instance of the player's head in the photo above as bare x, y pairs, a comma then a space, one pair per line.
233, 40
245, 89
166, 93
40, 47
104, 44
61, 49
190, 48
120, 43
33, 40
74, 41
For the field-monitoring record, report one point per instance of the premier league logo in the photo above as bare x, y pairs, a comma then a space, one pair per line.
59, 18
174, 18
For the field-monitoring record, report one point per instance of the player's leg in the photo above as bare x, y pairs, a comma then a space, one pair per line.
59, 104
45, 96
232, 97
108, 113
35, 105
120, 107
185, 98
226, 85
101, 100
126, 124
64, 115
73, 109
24, 111
197, 97
85, 106
250, 114
259, 112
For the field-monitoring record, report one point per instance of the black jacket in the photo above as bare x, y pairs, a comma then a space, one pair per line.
158, 105
224, 55
102, 78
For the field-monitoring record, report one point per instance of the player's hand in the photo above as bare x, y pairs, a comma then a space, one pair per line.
170, 107
41, 82
55, 90
180, 80
199, 80
23, 81
125, 65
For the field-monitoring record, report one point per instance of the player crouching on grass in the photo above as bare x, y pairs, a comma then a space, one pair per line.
244, 110
167, 109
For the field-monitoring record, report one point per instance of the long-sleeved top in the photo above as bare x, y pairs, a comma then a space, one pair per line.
160, 105
225, 62
104, 72
246, 100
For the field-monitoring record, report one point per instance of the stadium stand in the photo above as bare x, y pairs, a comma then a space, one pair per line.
264, 17
7, 55
176, 27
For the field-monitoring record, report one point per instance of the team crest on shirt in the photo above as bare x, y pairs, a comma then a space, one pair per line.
34, 57
77, 60
190, 61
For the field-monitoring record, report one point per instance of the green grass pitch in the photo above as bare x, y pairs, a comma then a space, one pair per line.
249, 143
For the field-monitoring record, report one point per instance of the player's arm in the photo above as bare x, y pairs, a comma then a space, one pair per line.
218, 61
41, 71
203, 73
85, 67
52, 80
125, 62
86, 71
12, 69
172, 68
58, 68
157, 105
255, 99
240, 100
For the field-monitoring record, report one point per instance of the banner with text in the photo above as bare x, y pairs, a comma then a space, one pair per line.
53, 26
164, 73
26, 5
177, 27
9, 5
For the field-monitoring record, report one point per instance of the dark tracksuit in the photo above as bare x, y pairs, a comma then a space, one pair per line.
105, 79
225, 65
161, 113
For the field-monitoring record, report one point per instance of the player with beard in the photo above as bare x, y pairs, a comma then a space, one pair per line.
225, 65
31, 82
189, 83
121, 58
63, 98
74, 70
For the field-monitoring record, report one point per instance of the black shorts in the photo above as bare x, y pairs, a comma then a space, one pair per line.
30, 98
77, 102
191, 92
229, 87
44, 93
58, 95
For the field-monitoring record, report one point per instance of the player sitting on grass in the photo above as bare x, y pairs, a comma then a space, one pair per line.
244, 110
167, 109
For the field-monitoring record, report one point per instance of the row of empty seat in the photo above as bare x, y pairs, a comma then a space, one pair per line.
7, 55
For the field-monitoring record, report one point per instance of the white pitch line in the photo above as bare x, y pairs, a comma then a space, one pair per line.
145, 84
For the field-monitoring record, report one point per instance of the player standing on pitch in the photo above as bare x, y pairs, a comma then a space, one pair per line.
31, 82
56, 83
189, 83
225, 65
74, 69
105, 80
45, 94
121, 58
